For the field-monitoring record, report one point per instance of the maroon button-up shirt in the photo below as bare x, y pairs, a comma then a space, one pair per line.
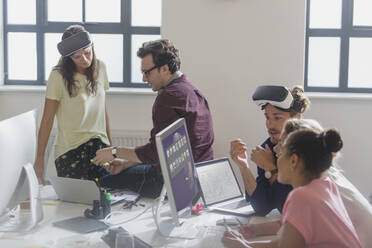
180, 99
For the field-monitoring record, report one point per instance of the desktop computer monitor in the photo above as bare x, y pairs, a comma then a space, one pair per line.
17, 154
177, 167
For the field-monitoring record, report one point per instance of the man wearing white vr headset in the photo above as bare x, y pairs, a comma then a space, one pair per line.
280, 104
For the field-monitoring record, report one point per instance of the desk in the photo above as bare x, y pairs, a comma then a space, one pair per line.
46, 235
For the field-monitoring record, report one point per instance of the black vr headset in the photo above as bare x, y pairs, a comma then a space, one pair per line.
278, 96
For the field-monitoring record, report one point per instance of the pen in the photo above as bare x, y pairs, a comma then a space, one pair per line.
105, 164
245, 228
225, 224
240, 223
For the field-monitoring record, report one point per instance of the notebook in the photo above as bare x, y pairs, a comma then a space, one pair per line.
220, 188
84, 191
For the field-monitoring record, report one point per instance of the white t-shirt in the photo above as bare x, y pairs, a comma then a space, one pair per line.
81, 117
357, 206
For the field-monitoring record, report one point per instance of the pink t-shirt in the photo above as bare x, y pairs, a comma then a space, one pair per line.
316, 210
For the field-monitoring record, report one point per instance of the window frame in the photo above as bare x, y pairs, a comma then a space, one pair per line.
346, 32
42, 26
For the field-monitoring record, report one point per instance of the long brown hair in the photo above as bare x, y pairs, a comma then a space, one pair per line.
67, 67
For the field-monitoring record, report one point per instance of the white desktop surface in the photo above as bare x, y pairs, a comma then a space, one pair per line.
46, 235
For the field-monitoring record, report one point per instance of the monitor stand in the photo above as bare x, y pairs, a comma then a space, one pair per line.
172, 227
25, 222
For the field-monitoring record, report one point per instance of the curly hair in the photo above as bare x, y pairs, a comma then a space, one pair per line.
163, 53
299, 97
67, 67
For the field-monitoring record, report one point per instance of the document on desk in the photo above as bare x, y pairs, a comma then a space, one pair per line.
211, 237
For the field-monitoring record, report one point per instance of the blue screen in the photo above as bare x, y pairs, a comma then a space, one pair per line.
180, 165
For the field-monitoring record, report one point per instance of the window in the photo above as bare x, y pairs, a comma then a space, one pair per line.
338, 54
118, 29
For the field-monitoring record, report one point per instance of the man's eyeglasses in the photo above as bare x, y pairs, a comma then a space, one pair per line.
147, 72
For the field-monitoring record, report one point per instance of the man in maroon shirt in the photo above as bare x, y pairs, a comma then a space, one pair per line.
137, 168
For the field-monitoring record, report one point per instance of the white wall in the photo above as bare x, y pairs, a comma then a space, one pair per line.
228, 47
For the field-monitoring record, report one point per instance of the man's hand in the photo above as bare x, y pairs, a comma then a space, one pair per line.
264, 158
118, 165
103, 155
238, 152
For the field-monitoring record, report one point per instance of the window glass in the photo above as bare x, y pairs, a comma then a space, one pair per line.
323, 61
325, 13
362, 13
103, 11
32, 36
360, 62
109, 49
146, 13
65, 10
24, 15
51, 52
22, 56
137, 41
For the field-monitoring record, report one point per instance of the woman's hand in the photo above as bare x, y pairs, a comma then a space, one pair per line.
234, 239
39, 169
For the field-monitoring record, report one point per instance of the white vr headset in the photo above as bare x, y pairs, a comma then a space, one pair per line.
278, 96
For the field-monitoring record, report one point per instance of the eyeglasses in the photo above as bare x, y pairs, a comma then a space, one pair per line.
147, 72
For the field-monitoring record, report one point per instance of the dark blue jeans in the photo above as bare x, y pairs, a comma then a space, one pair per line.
143, 179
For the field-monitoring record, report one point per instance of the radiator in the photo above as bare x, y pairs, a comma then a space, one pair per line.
129, 138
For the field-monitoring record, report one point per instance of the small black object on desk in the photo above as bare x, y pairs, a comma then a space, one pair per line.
101, 207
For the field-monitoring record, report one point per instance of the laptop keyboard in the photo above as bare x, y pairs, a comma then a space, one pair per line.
235, 204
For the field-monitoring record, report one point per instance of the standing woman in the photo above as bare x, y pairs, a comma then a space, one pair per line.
76, 95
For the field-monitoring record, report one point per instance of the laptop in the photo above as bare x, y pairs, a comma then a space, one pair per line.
220, 188
84, 191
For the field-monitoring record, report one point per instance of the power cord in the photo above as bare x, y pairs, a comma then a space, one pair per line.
117, 214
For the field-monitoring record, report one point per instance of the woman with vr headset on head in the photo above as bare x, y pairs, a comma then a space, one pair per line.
314, 213
75, 94
279, 103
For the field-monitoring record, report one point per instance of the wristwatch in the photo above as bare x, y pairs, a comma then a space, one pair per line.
114, 152
269, 174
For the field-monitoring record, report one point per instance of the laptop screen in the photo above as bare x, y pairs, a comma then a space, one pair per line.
217, 181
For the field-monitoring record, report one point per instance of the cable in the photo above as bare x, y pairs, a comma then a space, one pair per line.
155, 215
118, 213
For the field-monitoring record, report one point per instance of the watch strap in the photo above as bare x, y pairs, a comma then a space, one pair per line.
114, 152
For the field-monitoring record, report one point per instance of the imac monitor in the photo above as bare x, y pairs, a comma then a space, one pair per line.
18, 181
177, 166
